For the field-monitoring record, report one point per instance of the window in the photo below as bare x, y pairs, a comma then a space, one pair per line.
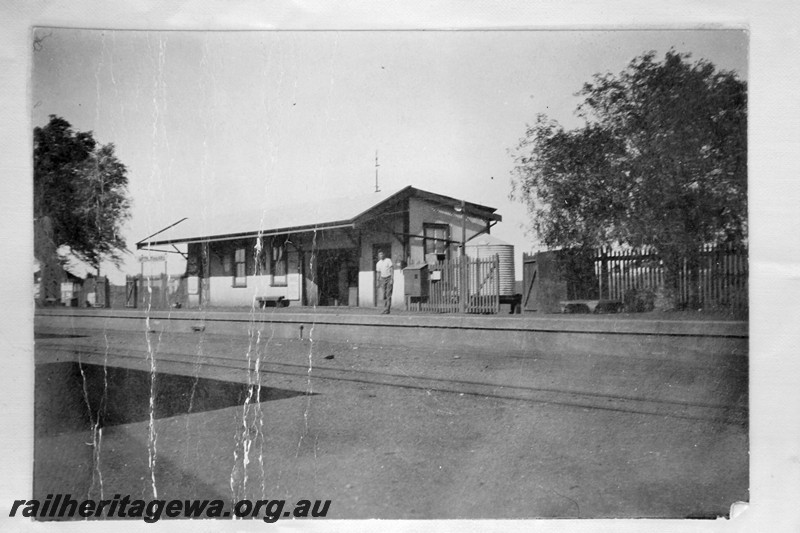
240, 270
436, 239
278, 262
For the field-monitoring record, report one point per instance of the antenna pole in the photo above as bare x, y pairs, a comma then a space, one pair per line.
376, 172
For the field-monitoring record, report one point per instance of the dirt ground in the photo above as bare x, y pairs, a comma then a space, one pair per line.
388, 431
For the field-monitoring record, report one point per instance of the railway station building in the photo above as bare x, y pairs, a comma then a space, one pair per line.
319, 254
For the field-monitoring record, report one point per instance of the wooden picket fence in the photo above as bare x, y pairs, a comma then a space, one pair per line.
721, 277
463, 285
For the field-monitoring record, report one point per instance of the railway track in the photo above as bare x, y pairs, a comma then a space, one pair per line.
211, 365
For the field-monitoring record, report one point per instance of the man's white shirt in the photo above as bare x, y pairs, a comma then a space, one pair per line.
384, 267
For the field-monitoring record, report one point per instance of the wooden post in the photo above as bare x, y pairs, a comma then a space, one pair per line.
603, 273
497, 283
464, 274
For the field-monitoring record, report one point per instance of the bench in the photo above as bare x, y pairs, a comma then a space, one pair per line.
590, 306
272, 301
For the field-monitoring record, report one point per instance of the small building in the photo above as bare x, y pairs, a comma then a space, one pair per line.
54, 284
322, 253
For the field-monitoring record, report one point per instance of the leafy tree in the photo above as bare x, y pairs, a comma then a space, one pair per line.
660, 160
80, 196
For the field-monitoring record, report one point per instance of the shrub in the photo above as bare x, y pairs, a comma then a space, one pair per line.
639, 300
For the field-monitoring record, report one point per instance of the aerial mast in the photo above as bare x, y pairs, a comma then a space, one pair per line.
377, 189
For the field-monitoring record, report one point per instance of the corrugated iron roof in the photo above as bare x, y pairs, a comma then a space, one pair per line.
282, 218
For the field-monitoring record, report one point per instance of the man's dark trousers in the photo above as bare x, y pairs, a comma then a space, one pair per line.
386, 285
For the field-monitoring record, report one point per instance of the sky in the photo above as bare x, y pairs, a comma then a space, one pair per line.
209, 123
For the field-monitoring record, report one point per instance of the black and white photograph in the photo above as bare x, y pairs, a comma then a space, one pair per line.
305, 275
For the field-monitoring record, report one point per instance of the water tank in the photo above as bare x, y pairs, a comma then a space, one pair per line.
488, 246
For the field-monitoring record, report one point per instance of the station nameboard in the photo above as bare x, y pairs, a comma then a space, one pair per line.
149, 258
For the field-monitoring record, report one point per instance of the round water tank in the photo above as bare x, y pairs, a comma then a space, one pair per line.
485, 246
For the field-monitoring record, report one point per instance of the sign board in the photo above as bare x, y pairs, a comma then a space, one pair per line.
152, 258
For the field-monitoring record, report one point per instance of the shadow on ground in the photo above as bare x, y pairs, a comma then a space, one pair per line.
73, 396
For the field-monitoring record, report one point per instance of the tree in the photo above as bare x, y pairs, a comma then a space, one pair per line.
80, 196
660, 160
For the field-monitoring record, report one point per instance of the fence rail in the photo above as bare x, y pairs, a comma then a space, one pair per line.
719, 280
463, 285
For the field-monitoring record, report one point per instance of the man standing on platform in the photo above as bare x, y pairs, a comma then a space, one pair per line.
385, 280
